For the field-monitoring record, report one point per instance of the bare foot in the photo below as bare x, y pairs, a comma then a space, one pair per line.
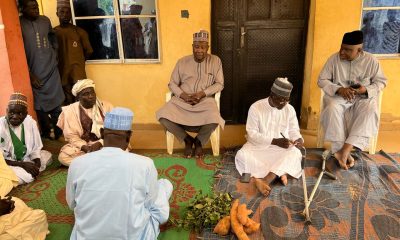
342, 159
350, 161
284, 179
263, 187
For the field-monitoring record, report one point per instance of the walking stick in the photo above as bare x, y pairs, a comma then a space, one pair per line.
307, 200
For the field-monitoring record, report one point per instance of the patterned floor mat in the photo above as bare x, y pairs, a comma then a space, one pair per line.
363, 203
48, 191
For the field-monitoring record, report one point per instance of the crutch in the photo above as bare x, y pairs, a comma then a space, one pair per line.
307, 200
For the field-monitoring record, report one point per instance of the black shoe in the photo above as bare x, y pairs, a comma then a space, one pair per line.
189, 141
198, 149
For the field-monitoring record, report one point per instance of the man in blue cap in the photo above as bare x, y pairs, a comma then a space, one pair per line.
115, 194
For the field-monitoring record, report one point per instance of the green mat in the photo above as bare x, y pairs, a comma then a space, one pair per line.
187, 176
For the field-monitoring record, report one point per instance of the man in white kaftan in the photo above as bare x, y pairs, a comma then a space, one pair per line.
81, 122
351, 80
115, 194
272, 136
20, 141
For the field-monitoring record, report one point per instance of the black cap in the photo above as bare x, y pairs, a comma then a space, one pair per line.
353, 38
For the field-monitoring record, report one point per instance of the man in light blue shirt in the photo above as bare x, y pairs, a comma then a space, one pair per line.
115, 194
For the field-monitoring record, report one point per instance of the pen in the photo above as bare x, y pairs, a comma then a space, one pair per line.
286, 138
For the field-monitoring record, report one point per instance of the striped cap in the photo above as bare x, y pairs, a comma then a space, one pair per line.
282, 87
119, 119
201, 36
18, 99
63, 3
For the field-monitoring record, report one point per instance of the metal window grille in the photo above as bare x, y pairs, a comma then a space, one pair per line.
115, 18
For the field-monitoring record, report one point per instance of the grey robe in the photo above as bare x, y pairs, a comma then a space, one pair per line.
39, 46
190, 76
350, 122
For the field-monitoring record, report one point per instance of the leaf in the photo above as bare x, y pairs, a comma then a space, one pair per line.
199, 206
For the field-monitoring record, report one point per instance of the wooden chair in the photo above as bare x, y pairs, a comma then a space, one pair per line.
372, 140
214, 138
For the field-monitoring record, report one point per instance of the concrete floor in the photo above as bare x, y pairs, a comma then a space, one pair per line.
234, 135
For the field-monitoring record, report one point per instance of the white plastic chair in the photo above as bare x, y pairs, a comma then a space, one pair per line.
372, 140
214, 138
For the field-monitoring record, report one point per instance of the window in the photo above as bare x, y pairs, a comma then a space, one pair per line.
381, 27
120, 31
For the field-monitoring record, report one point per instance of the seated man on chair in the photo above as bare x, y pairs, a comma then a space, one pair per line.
351, 80
194, 81
272, 137
20, 142
81, 122
115, 194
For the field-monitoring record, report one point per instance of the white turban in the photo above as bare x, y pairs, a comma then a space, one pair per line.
80, 85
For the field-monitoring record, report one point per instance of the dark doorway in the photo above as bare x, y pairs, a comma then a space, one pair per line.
257, 41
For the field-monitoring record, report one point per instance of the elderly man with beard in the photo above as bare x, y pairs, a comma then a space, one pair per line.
81, 122
20, 141
194, 81
273, 134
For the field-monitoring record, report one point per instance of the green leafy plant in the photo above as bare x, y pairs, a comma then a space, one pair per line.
204, 211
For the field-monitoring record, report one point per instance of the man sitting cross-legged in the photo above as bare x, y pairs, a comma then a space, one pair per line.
268, 154
81, 122
20, 141
115, 194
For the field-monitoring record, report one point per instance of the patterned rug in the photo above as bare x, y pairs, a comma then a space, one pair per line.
48, 191
363, 203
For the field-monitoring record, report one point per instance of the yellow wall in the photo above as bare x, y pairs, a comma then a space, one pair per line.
329, 21
142, 87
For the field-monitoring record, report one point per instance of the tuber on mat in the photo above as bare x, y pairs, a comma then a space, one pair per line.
243, 214
223, 226
237, 227
251, 226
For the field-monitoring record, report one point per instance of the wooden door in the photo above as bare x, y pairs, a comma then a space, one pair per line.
258, 41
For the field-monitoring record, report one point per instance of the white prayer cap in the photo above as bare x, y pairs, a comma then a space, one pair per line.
282, 87
119, 119
201, 36
80, 85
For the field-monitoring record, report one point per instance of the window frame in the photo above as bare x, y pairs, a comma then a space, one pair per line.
117, 17
363, 8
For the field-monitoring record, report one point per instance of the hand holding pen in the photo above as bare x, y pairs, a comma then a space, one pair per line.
297, 143
282, 142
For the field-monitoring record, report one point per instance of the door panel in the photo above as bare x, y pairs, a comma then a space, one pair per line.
258, 41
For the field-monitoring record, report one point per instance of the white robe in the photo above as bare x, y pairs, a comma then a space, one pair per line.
116, 195
351, 122
33, 144
258, 157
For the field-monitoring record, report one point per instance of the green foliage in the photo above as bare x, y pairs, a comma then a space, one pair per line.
107, 6
205, 211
